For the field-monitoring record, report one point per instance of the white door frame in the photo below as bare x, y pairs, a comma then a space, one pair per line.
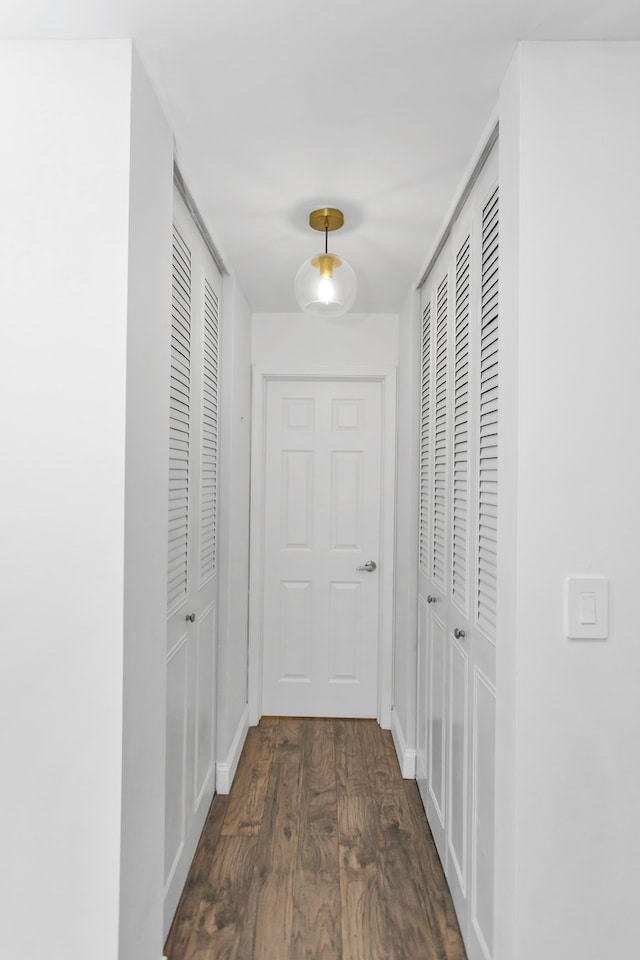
260, 380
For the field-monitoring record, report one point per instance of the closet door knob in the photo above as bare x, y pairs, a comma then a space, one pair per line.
191, 617
458, 634
431, 599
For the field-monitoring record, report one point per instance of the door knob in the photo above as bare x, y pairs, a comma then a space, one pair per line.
458, 634
369, 566
431, 599
191, 617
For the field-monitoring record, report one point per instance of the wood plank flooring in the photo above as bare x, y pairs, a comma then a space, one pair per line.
320, 852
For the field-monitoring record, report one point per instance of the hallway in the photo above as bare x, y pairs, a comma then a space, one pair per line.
320, 852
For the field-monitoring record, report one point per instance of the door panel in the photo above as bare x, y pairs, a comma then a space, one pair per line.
483, 805
422, 671
179, 425
346, 499
175, 802
322, 520
204, 707
296, 606
440, 459
297, 498
457, 825
345, 616
437, 728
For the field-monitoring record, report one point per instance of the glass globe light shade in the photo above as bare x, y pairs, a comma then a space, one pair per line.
325, 286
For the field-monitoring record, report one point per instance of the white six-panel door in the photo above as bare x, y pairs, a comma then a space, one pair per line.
192, 567
322, 521
457, 563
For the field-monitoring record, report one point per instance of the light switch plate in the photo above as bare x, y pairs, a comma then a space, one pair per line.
587, 608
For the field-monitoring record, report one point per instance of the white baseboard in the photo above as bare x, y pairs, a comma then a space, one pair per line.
226, 770
406, 755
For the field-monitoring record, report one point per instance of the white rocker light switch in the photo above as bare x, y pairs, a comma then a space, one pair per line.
587, 608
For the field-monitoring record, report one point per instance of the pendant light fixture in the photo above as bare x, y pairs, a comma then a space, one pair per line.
325, 285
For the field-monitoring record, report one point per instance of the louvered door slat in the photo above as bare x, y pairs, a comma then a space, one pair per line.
180, 352
459, 575
209, 437
179, 414
438, 551
181, 382
425, 438
486, 597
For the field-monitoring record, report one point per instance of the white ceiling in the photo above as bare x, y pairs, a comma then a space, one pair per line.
281, 106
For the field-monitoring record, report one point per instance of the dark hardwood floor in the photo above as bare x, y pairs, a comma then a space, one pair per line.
320, 852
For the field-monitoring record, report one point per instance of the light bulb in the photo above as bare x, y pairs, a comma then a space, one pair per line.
325, 290
325, 286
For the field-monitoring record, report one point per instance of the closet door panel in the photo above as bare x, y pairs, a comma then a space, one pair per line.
458, 765
482, 823
462, 413
208, 518
192, 535
441, 479
457, 571
425, 440
437, 730
176, 772
487, 465
424, 550
179, 426
479, 939
205, 719
421, 733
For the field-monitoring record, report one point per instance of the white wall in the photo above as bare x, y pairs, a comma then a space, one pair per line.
233, 547
569, 722
69, 626
295, 342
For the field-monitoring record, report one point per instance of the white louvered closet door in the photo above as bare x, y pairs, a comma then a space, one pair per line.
457, 557
433, 573
192, 539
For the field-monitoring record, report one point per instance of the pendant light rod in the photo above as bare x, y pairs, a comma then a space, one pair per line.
326, 219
